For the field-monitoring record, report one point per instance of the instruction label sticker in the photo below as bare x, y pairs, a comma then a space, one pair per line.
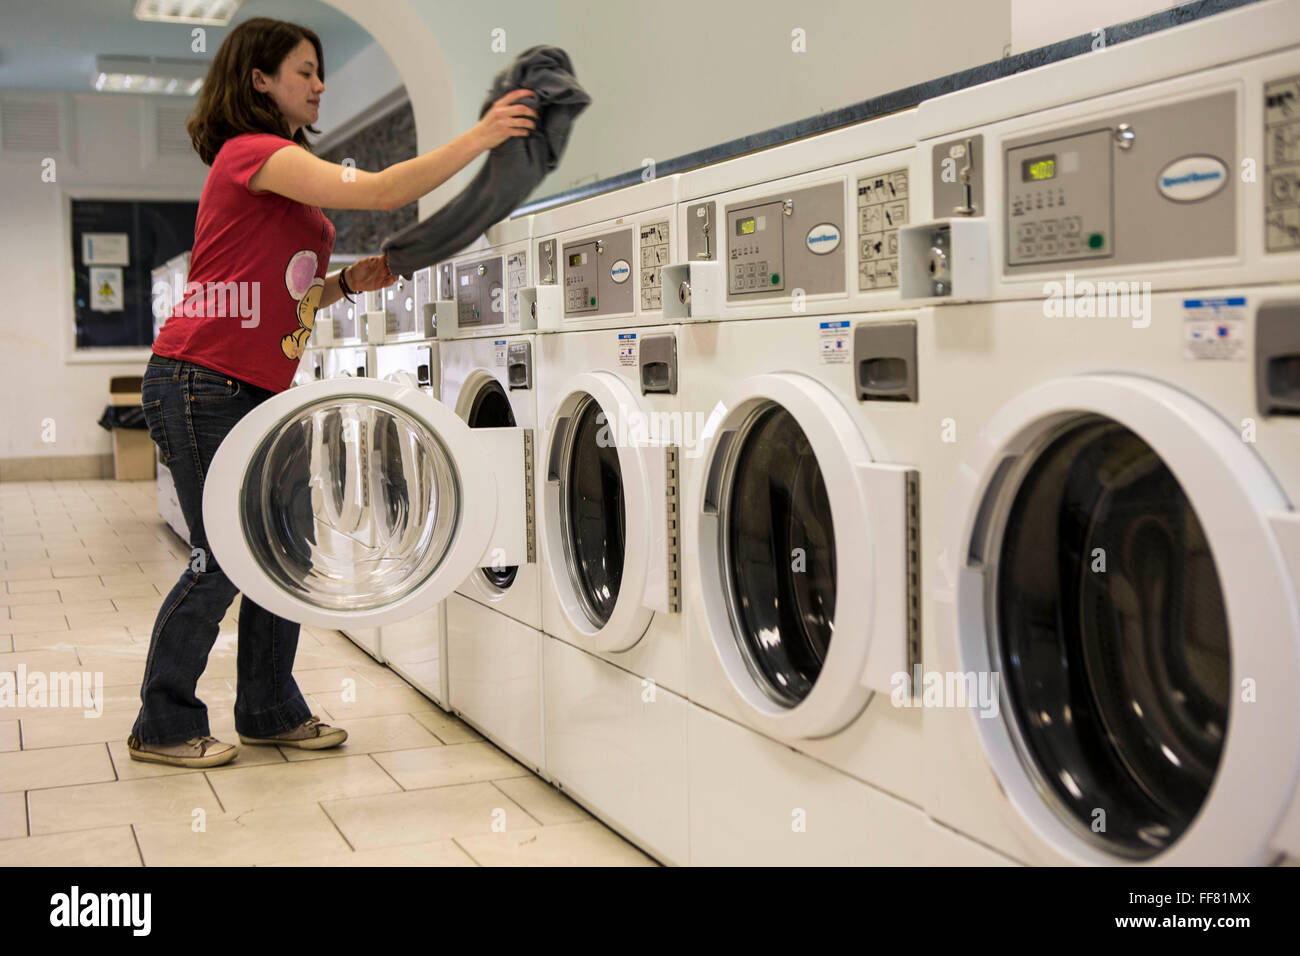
627, 348
835, 342
1214, 329
500, 346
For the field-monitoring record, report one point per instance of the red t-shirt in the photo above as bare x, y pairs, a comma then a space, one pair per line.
256, 273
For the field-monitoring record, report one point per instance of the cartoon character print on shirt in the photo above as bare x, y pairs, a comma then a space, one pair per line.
306, 288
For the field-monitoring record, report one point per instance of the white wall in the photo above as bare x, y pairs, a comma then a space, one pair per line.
1035, 23
676, 76
39, 377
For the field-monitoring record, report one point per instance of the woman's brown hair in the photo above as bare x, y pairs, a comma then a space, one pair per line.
228, 104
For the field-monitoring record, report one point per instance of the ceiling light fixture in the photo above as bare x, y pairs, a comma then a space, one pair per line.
213, 13
140, 74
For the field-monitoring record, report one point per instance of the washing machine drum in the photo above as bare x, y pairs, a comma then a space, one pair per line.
778, 547
491, 409
354, 505
593, 513
1112, 638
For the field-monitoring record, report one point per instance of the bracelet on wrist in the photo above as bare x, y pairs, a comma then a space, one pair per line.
347, 290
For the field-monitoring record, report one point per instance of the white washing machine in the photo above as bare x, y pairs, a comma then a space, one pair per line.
607, 484
1118, 460
494, 641
415, 648
802, 514
1119, 546
607, 532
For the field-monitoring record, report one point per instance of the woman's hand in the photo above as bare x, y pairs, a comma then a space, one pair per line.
506, 118
369, 274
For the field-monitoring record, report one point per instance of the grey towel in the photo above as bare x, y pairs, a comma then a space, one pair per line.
513, 169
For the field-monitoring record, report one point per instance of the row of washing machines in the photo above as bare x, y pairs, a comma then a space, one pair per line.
921, 492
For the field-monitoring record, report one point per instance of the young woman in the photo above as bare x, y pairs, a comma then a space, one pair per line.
257, 275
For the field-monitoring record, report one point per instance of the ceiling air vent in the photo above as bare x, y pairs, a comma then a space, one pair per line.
30, 126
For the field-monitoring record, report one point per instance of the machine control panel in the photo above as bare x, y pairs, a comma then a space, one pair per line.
757, 238
882, 208
446, 288
654, 255
1149, 184
791, 241
1059, 197
516, 279
580, 279
480, 294
598, 275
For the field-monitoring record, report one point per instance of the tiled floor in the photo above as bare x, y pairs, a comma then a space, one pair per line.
85, 565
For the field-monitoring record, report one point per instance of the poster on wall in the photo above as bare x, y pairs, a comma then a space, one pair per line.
155, 232
106, 289
105, 249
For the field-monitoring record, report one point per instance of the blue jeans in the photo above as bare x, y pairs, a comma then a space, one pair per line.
189, 410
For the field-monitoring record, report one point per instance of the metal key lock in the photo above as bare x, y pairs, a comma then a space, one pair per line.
705, 227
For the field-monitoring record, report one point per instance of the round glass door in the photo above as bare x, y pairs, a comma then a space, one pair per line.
592, 512
349, 503
491, 409
777, 548
1109, 626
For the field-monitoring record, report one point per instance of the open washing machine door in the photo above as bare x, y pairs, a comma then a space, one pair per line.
1113, 553
355, 502
803, 537
605, 494
483, 404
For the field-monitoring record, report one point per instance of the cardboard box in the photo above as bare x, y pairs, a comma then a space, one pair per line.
133, 449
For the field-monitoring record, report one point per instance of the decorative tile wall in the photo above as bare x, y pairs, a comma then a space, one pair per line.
388, 140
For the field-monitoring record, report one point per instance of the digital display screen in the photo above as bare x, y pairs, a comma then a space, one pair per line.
746, 227
575, 259
1039, 168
